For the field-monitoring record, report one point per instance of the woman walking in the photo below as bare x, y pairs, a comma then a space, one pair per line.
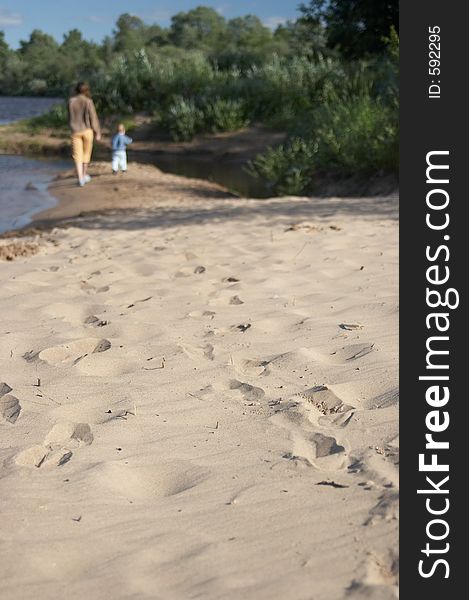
84, 124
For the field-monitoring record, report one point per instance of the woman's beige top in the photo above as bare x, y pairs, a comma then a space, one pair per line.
82, 114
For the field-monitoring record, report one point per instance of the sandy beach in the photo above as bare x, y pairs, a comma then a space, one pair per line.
200, 395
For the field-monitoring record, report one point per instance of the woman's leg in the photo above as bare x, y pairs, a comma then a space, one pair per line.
87, 150
77, 155
79, 169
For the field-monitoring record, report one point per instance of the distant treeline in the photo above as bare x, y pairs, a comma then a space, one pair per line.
329, 79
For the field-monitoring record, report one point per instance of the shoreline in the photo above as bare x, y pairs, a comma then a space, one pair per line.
102, 197
107, 192
25, 189
221, 156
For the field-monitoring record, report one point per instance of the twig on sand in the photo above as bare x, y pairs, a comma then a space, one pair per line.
210, 427
38, 403
332, 484
52, 399
300, 251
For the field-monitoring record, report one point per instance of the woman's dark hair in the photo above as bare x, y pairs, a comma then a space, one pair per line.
82, 87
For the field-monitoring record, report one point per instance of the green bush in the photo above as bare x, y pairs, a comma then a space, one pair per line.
183, 119
287, 169
356, 136
225, 115
359, 135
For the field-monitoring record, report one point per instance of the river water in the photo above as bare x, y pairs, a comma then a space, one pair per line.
14, 108
23, 180
23, 188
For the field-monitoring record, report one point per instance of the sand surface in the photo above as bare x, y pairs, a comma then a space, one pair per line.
200, 397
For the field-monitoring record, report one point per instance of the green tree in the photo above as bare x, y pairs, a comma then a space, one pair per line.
303, 38
354, 27
106, 50
129, 33
40, 57
5, 54
39, 47
4, 47
79, 59
201, 27
156, 36
247, 42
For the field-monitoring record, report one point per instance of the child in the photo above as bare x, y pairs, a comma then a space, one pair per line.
119, 155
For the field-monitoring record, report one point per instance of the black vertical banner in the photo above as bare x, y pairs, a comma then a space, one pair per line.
434, 352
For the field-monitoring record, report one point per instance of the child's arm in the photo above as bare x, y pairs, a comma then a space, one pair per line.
128, 140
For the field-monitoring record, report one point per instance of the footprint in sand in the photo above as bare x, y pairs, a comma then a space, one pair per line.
72, 352
5, 388
389, 398
187, 271
224, 298
325, 445
351, 353
55, 451
387, 508
252, 367
10, 408
145, 483
72, 434
94, 321
330, 410
377, 577
91, 289
195, 352
249, 392
316, 449
205, 314
43, 456
309, 447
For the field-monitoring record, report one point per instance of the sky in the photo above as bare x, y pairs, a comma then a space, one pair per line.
96, 18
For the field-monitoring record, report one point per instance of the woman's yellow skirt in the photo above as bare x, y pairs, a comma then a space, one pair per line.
82, 146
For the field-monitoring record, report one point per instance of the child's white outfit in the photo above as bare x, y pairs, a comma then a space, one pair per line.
119, 154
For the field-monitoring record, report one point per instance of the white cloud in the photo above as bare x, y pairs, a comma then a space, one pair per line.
8, 18
223, 9
273, 22
96, 19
